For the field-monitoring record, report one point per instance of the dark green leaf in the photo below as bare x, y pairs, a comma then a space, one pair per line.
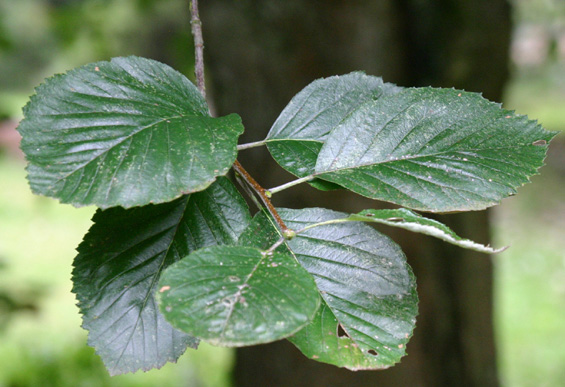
121, 258
369, 293
412, 221
299, 132
324, 185
237, 296
128, 132
435, 150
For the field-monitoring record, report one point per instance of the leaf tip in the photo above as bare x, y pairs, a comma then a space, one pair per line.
500, 250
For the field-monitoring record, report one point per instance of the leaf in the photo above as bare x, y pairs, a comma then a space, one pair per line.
128, 132
121, 258
237, 296
412, 221
369, 300
298, 134
436, 150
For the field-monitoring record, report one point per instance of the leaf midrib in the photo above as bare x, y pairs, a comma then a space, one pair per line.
155, 276
237, 295
415, 157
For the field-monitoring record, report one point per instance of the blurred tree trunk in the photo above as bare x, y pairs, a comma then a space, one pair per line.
262, 52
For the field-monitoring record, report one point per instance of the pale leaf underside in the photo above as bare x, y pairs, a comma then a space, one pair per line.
411, 221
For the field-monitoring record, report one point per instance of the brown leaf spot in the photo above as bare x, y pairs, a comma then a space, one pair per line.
372, 352
539, 143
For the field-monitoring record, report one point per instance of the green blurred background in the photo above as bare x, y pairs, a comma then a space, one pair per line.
41, 342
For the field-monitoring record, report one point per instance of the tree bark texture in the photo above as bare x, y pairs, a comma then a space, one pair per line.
259, 53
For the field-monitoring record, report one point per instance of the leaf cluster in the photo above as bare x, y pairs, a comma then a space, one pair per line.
174, 255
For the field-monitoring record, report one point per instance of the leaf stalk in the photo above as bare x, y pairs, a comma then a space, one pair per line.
251, 145
282, 187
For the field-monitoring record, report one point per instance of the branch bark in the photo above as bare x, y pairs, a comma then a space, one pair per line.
262, 193
198, 47
200, 82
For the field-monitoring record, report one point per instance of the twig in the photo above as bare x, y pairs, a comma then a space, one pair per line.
199, 72
198, 48
287, 233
